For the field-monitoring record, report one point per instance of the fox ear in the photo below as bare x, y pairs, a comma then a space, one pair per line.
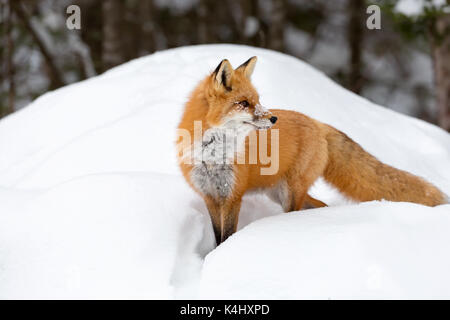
248, 66
222, 74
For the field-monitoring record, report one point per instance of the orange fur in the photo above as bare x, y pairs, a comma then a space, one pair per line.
308, 149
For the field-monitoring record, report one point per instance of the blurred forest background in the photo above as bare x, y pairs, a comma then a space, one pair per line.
405, 65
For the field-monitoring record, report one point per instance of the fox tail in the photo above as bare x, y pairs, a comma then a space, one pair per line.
362, 177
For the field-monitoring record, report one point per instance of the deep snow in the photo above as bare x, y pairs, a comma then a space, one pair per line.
92, 204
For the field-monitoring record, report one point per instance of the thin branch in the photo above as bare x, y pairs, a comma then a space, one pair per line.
56, 78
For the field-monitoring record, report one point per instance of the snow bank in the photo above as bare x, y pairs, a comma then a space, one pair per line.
103, 236
368, 251
92, 204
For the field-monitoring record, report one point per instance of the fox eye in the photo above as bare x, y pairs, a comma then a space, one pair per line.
244, 103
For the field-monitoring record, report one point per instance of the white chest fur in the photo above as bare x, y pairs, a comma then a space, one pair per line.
214, 156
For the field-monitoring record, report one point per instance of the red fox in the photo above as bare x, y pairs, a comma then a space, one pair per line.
227, 106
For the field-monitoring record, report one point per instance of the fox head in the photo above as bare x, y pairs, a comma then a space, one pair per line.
233, 101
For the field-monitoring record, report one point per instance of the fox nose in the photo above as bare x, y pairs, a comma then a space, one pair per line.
273, 119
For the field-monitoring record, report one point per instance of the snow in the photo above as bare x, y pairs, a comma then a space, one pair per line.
362, 252
414, 8
92, 203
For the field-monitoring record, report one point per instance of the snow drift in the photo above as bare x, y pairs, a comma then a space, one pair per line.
92, 204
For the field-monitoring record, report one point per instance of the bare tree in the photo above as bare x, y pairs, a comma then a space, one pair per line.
56, 80
355, 31
441, 58
113, 51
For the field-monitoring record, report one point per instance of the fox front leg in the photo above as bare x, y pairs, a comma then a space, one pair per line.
229, 219
214, 213
224, 217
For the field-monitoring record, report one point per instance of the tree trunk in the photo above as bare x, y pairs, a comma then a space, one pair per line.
147, 26
203, 29
441, 58
9, 62
113, 52
253, 29
56, 79
91, 30
277, 23
355, 31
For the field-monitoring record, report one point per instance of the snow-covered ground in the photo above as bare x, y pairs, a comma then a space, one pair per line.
92, 204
